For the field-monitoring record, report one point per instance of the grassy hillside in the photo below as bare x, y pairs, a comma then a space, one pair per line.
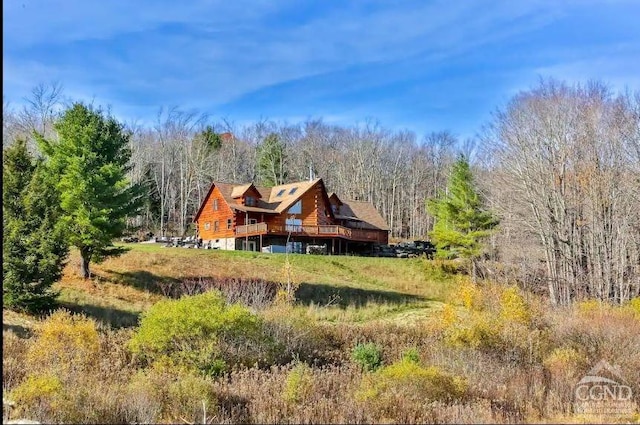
332, 288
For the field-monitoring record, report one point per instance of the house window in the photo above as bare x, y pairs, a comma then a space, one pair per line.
293, 190
216, 226
334, 208
293, 225
229, 224
215, 205
281, 192
207, 226
296, 208
250, 201
253, 221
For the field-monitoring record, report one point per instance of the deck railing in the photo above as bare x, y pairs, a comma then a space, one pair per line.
252, 229
322, 230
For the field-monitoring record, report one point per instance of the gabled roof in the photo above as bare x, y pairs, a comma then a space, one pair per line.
277, 199
285, 195
333, 196
238, 191
364, 212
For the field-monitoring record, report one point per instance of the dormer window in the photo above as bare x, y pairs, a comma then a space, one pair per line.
249, 201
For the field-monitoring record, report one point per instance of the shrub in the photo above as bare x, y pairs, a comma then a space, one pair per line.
368, 356
566, 362
513, 307
161, 394
201, 332
38, 394
470, 295
476, 330
634, 306
64, 343
299, 383
145, 396
410, 381
411, 355
186, 396
589, 307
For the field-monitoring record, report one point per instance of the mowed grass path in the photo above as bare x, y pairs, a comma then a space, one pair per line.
331, 288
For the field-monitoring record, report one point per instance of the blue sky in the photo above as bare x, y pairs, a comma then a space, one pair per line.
418, 65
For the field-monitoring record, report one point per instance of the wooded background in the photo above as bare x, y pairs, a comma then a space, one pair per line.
559, 164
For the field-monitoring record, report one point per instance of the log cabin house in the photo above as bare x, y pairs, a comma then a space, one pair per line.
252, 218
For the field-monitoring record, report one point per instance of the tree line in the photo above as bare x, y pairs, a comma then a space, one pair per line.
559, 165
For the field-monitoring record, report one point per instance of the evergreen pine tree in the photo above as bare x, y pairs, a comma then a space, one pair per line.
34, 247
90, 162
462, 220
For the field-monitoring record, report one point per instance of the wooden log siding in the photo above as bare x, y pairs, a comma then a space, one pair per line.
315, 220
209, 215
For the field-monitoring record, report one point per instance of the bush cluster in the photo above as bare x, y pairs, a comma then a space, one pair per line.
201, 332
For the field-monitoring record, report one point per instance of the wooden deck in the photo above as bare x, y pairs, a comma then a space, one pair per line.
323, 231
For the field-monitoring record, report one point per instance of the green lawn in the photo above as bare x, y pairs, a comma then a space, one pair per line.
335, 289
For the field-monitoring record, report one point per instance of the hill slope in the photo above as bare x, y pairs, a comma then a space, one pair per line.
332, 288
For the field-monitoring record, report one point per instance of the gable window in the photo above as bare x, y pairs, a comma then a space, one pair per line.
216, 226
334, 208
250, 201
296, 208
229, 224
281, 192
207, 226
215, 205
293, 190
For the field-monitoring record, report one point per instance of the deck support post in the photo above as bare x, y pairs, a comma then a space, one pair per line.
246, 238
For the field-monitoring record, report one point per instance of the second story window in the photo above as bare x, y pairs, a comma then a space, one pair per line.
296, 208
215, 205
229, 224
250, 201
216, 226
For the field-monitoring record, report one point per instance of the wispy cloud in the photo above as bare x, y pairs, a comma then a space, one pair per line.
423, 64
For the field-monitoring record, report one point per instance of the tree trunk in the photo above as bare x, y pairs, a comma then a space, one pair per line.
84, 263
474, 271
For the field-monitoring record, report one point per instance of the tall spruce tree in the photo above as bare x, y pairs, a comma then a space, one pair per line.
462, 220
90, 161
34, 247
